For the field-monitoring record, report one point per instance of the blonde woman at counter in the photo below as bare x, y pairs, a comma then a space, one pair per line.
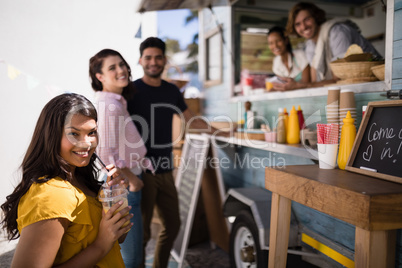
288, 65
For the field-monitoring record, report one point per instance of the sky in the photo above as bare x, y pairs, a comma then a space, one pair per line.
171, 24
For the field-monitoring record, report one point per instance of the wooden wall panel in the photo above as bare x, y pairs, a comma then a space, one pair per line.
396, 84
336, 230
397, 23
255, 54
397, 68
245, 167
398, 4
397, 49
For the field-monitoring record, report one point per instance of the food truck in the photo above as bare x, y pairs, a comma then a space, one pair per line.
234, 62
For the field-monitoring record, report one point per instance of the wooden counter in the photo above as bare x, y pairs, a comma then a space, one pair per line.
374, 206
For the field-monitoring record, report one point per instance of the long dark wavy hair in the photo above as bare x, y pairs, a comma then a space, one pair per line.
95, 66
43, 159
317, 13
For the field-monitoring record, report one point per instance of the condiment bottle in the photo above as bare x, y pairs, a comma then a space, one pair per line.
348, 135
293, 130
280, 127
249, 116
301, 117
286, 116
247, 107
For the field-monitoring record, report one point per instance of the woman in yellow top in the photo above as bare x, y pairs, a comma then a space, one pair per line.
54, 210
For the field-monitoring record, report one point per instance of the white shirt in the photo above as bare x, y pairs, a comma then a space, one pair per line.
296, 64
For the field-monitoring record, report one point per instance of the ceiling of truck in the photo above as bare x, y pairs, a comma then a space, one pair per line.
154, 5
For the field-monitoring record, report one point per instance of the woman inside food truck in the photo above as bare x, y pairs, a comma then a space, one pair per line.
288, 63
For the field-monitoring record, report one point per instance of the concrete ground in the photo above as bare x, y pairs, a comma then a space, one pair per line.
6, 250
198, 256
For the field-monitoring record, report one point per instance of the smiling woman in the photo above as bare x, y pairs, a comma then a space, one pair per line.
121, 143
53, 210
113, 75
288, 63
79, 140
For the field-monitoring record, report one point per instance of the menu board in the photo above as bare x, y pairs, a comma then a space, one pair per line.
377, 150
188, 183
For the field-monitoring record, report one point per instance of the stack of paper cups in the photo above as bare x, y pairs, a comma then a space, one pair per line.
333, 105
346, 103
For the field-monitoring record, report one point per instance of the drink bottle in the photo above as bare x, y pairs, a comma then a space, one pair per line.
293, 130
280, 127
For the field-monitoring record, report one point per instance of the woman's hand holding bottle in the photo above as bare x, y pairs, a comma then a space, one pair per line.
111, 226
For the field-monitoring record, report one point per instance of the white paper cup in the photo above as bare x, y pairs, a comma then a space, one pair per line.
327, 155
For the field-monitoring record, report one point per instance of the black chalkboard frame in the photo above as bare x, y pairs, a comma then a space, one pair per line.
351, 166
181, 243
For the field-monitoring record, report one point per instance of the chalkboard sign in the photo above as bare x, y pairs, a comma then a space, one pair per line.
377, 150
188, 183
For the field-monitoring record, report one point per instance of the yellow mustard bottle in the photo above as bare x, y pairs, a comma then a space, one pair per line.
293, 130
348, 136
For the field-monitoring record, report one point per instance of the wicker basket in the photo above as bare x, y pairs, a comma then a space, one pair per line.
379, 71
177, 82
355, 69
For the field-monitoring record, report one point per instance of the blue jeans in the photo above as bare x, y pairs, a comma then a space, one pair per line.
131, 248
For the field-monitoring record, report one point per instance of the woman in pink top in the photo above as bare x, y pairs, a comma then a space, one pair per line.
119, 141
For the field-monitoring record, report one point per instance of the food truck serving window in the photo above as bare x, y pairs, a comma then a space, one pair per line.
213, 58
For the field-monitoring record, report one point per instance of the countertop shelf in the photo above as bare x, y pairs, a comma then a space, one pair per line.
295, 150
377, 86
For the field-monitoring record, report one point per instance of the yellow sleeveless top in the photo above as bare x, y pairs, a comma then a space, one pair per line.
58, 198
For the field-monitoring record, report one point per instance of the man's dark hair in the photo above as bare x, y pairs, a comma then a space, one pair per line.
152, 42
